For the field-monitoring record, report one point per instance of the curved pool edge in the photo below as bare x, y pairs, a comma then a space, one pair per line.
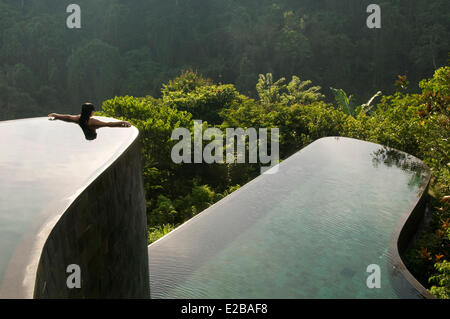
404, 232
22, 278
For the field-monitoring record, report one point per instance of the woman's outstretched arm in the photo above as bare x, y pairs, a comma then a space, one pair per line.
65, 117
99, 123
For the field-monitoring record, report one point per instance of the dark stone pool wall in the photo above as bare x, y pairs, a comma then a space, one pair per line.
104, 231
402, 241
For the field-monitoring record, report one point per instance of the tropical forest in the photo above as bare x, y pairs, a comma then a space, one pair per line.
311, 68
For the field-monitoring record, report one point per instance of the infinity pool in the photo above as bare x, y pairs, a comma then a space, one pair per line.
308, 231
44, 165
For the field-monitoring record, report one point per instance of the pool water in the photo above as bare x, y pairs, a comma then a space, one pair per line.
308, 231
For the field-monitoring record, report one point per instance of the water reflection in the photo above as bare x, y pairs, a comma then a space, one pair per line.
391, 157
90, 133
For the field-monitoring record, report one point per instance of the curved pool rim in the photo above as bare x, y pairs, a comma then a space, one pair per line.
407, 227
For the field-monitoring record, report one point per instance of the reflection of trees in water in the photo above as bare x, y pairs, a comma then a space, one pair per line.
89, 132
391, 157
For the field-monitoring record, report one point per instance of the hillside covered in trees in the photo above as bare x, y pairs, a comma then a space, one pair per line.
132, 47
254, 63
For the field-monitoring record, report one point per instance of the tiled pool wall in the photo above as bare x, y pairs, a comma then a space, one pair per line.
104, 231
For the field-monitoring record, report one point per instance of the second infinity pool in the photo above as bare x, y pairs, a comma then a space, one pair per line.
308, 231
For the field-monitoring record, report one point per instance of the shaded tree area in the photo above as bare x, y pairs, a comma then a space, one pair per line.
132, 47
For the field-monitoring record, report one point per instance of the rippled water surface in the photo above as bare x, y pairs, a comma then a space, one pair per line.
308, 231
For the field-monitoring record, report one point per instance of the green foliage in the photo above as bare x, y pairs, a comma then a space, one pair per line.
187, 82
246, 114
156, 123
88, 65
155, 233
302, 124
143, 75
442, 290
436, 92
132, 47
347, 103
296, 91
432, 247
269, 92
203, 102
175, 192
202, 197
164, 211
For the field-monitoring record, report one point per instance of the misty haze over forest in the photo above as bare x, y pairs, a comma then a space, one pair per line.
132, 47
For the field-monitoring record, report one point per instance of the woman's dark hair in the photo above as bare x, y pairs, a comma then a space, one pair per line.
86, 111
89, 133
